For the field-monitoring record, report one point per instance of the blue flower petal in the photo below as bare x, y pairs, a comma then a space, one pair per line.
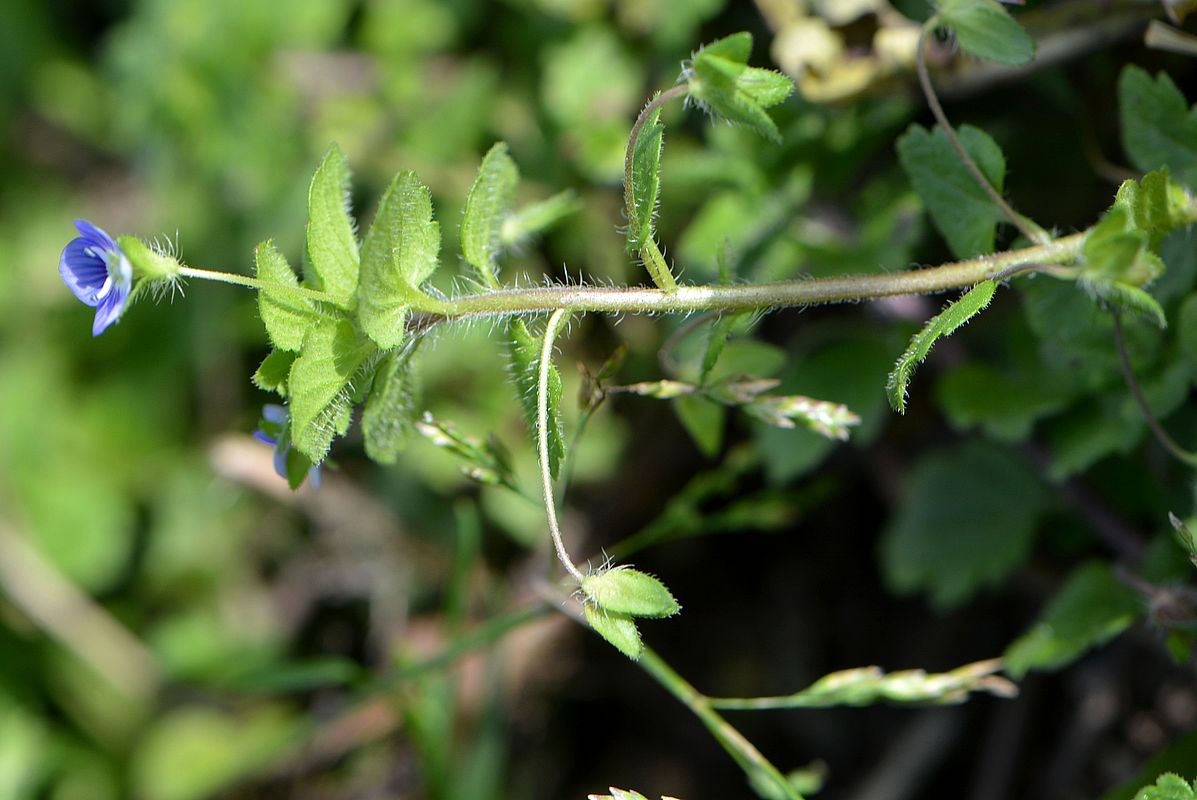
280, 461
109, 309
272, 412
95, 236
264, 438
82, 272
97, 272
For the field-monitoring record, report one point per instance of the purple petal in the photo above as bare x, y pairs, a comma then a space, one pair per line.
314, 476
280, 461
272, 412
83, 272
95, 236
109, 309
262, 437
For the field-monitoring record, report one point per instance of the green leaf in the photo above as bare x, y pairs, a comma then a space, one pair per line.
1003, 406
400, 253
272, 373
1159, 129
1115, 251
985, 30
646, 182
721, 329
1184, 537
286, 315
1133, 299
535, 218
705, 421
1155, 205
623, 590
1168, 786
1187, 329
524, 351
486, 207
618, 629
331, 238
960, 209
1091, 608
942, 324
720, 80
966, 519
390, 413
320, 385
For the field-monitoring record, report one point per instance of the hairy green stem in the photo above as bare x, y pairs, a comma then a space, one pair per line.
744, 297
254, 283
755, 765
1028, 227
542, 438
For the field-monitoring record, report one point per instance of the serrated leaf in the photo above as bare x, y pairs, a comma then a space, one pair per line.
1091, 608
287, 316
535, 218
623, 590
332, 264
942, 324
1168, 786
1159, 128
646, 182
390, 413
400, 253
985, 30
271, 375
720, 80
960, 209
487, 205
320, 386
1154, 205
524, 351
618, 629
966, 519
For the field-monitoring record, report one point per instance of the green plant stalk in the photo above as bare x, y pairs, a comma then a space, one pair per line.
254, 283
542, 438
754, 764
1028, 227
747, 297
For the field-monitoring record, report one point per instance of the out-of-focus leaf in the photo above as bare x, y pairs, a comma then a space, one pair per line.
1091, 608
535, 218
1159, 129
705, 421
961, 210
966, 519
985, 30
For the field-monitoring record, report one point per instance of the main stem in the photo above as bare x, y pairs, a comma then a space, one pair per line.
785, 294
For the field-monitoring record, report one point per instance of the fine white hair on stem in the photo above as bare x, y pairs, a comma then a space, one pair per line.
542, 438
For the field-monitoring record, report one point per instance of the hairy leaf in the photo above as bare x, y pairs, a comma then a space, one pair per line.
646, 182
390, 414
286, 315
524, 351
942, 324
985, 30
1156, 205
966, 519
332, 264
486, 207
320, 385
618, 629
399, 254
960, 209
1133, 299
271, 375
624, 590
722, 82
1159, 129
1090, 609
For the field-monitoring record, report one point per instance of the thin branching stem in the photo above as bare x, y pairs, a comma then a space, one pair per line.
1029, 229
542, 438
254, 283
1132, 383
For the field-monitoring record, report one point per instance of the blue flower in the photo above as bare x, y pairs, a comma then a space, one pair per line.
98, 272
291, 465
